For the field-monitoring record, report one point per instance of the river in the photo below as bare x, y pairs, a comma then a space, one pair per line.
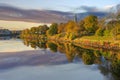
39, 60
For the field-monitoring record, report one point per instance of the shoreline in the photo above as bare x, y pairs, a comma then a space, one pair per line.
102, 44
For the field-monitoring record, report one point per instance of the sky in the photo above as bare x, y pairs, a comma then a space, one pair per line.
61, 5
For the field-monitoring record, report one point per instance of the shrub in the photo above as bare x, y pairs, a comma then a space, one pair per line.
99, 32
107, 33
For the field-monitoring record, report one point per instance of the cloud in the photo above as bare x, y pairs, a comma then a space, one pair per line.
46, 16
107, 8
89, 9
112, 8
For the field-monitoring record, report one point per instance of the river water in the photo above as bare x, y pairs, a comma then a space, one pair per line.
36, 60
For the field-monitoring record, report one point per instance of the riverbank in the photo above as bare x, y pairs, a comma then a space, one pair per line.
92, 41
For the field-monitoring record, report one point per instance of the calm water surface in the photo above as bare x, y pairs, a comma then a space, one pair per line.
54, 61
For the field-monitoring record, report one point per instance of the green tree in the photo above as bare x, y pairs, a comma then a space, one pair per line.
91, 23
53, 29
43, 29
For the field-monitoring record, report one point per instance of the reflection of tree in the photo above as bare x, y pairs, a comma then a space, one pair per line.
42, 45
104, 66
88, 57
115, 69
70, 52
97, 57
97, 53
109, 66
34, 43
26, 42
61, 47
52, 46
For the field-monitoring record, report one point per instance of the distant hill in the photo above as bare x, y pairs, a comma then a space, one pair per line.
40, 16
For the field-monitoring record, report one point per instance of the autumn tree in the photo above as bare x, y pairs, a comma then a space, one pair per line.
61, 28
81, 26
43, 29
70, 30
80, 29
90, 24
70, 26
33, 30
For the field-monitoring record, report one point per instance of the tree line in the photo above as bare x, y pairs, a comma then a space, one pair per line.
89, 26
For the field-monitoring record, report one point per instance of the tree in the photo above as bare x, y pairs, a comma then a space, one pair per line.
81, 26
70, 26
43, 29
61, 28
91, 23
80, 29
53, 29
116, 31
33, 30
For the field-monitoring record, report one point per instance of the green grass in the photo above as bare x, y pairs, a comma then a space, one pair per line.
97, 39
108, 38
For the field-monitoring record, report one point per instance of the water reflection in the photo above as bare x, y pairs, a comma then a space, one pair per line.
108, 61
30, 58
5, 37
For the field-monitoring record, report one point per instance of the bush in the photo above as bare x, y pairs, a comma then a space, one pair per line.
72, 36
99, 32
61, 35
107, 33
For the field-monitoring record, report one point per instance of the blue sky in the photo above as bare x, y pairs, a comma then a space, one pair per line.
62, 5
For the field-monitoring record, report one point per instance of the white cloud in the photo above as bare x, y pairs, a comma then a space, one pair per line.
109, 6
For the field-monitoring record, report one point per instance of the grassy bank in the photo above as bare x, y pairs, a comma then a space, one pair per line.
97, 38
99, 42
105, 42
